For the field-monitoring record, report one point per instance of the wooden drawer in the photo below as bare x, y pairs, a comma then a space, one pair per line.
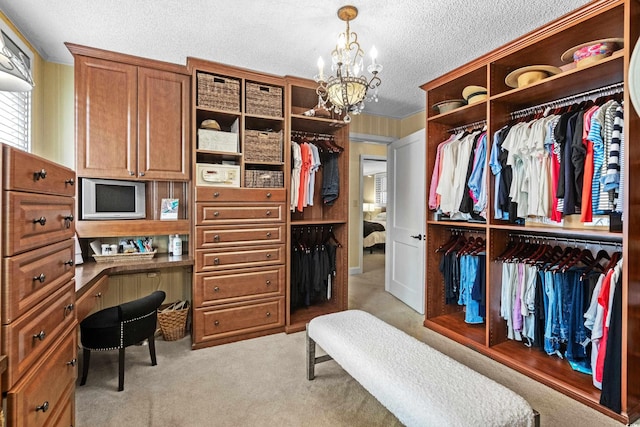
50, 383
28, 338
236, 286
211, 214
29, 277
27, 172
221, 194
239, 235
212, 324
211, 260
90, 299
23, 210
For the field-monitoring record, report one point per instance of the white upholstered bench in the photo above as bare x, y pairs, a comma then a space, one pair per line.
418, 384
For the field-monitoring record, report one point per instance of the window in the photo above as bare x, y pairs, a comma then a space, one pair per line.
381, 189
15, 107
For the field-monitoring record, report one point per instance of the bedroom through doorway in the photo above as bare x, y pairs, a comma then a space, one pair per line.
373, 199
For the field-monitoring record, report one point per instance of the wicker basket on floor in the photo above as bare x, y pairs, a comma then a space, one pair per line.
173, 321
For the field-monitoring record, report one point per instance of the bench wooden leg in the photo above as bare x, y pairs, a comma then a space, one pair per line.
311, 358
536, 418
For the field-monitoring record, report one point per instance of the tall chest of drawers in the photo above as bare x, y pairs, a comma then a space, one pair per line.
38, 290
239, 283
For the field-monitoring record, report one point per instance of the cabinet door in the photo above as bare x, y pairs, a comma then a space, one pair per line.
106, 97
163, 125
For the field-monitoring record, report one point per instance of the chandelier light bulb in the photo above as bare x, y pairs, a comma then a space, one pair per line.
373, 54
321, 68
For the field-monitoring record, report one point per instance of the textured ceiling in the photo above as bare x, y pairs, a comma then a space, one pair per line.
417, 40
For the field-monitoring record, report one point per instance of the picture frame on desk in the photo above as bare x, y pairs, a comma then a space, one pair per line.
169, 209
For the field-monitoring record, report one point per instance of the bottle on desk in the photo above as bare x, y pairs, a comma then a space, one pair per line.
176, 245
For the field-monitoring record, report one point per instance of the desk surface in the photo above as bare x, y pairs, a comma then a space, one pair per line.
90, 272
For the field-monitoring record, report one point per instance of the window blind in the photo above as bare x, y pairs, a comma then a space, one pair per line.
381, 189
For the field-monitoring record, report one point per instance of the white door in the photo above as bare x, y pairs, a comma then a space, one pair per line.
404, 269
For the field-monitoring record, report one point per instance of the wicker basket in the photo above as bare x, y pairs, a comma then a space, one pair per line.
263, 179
173, 322
262, 146
217, 92
264, 100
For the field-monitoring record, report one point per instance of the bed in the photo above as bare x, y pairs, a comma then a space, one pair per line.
374, 232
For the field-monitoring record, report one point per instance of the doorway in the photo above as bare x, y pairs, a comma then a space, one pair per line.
373, 202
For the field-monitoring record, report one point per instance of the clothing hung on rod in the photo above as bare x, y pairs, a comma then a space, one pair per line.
313, 265
569, 161
558, 300
309, 152
462, 264
458, 182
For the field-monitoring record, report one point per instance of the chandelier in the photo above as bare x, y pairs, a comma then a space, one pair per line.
347, 90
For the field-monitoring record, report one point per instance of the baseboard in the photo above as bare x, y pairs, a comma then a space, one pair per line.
355, 270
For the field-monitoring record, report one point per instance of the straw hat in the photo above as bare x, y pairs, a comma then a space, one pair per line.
448, 105
593, 51
530, 74
210, 124
473, 94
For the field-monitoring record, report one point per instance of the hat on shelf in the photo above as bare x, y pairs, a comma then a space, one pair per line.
593, 51
473, 94
210, 124
527, 75
448, 105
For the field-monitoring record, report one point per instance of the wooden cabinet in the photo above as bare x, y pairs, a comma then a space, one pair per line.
598, 20
38, 290
133, 117
319, 222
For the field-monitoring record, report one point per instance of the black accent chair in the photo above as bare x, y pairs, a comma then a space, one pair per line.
119, 327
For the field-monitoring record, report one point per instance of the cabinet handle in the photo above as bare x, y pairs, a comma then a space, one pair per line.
216, 289
141, 174
41, 278
216, 323
268, 256
42, 221
216, 194
268, 234
216, 238
268, 282
72, 362
38, 175
70, 262
67, 220
216, 261
268, 314
70, 181
40, 336
268, 195
268, 213
98, 295
68, 309
131, 173
216, 213
44, 407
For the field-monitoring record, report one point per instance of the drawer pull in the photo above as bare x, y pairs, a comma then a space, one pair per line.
216, 194
72, 362
216, 323
38, 175
42, 221
268, 213
67, 221
268, 256
141, 174
216, 238
44, 407
41, 278
70, 181
268, 234
40, 336
268, 314
216, 261
268, 195
98, 295
216, 289
216, 213
70, 262
131, 173
68, 309
268, 282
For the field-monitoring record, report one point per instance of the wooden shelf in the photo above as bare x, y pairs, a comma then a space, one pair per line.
454, 326
124, 228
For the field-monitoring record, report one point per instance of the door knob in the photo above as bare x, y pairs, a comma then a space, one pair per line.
417, 236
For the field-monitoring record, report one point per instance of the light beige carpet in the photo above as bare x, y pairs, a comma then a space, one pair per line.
262, 382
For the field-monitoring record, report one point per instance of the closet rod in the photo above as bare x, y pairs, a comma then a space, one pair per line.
566, 239
470, 126
466, 230
610, 89
304, 133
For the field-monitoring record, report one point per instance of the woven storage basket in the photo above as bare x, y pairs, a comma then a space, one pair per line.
173, 323
217, 92
263, 179
262, 146
264, 100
